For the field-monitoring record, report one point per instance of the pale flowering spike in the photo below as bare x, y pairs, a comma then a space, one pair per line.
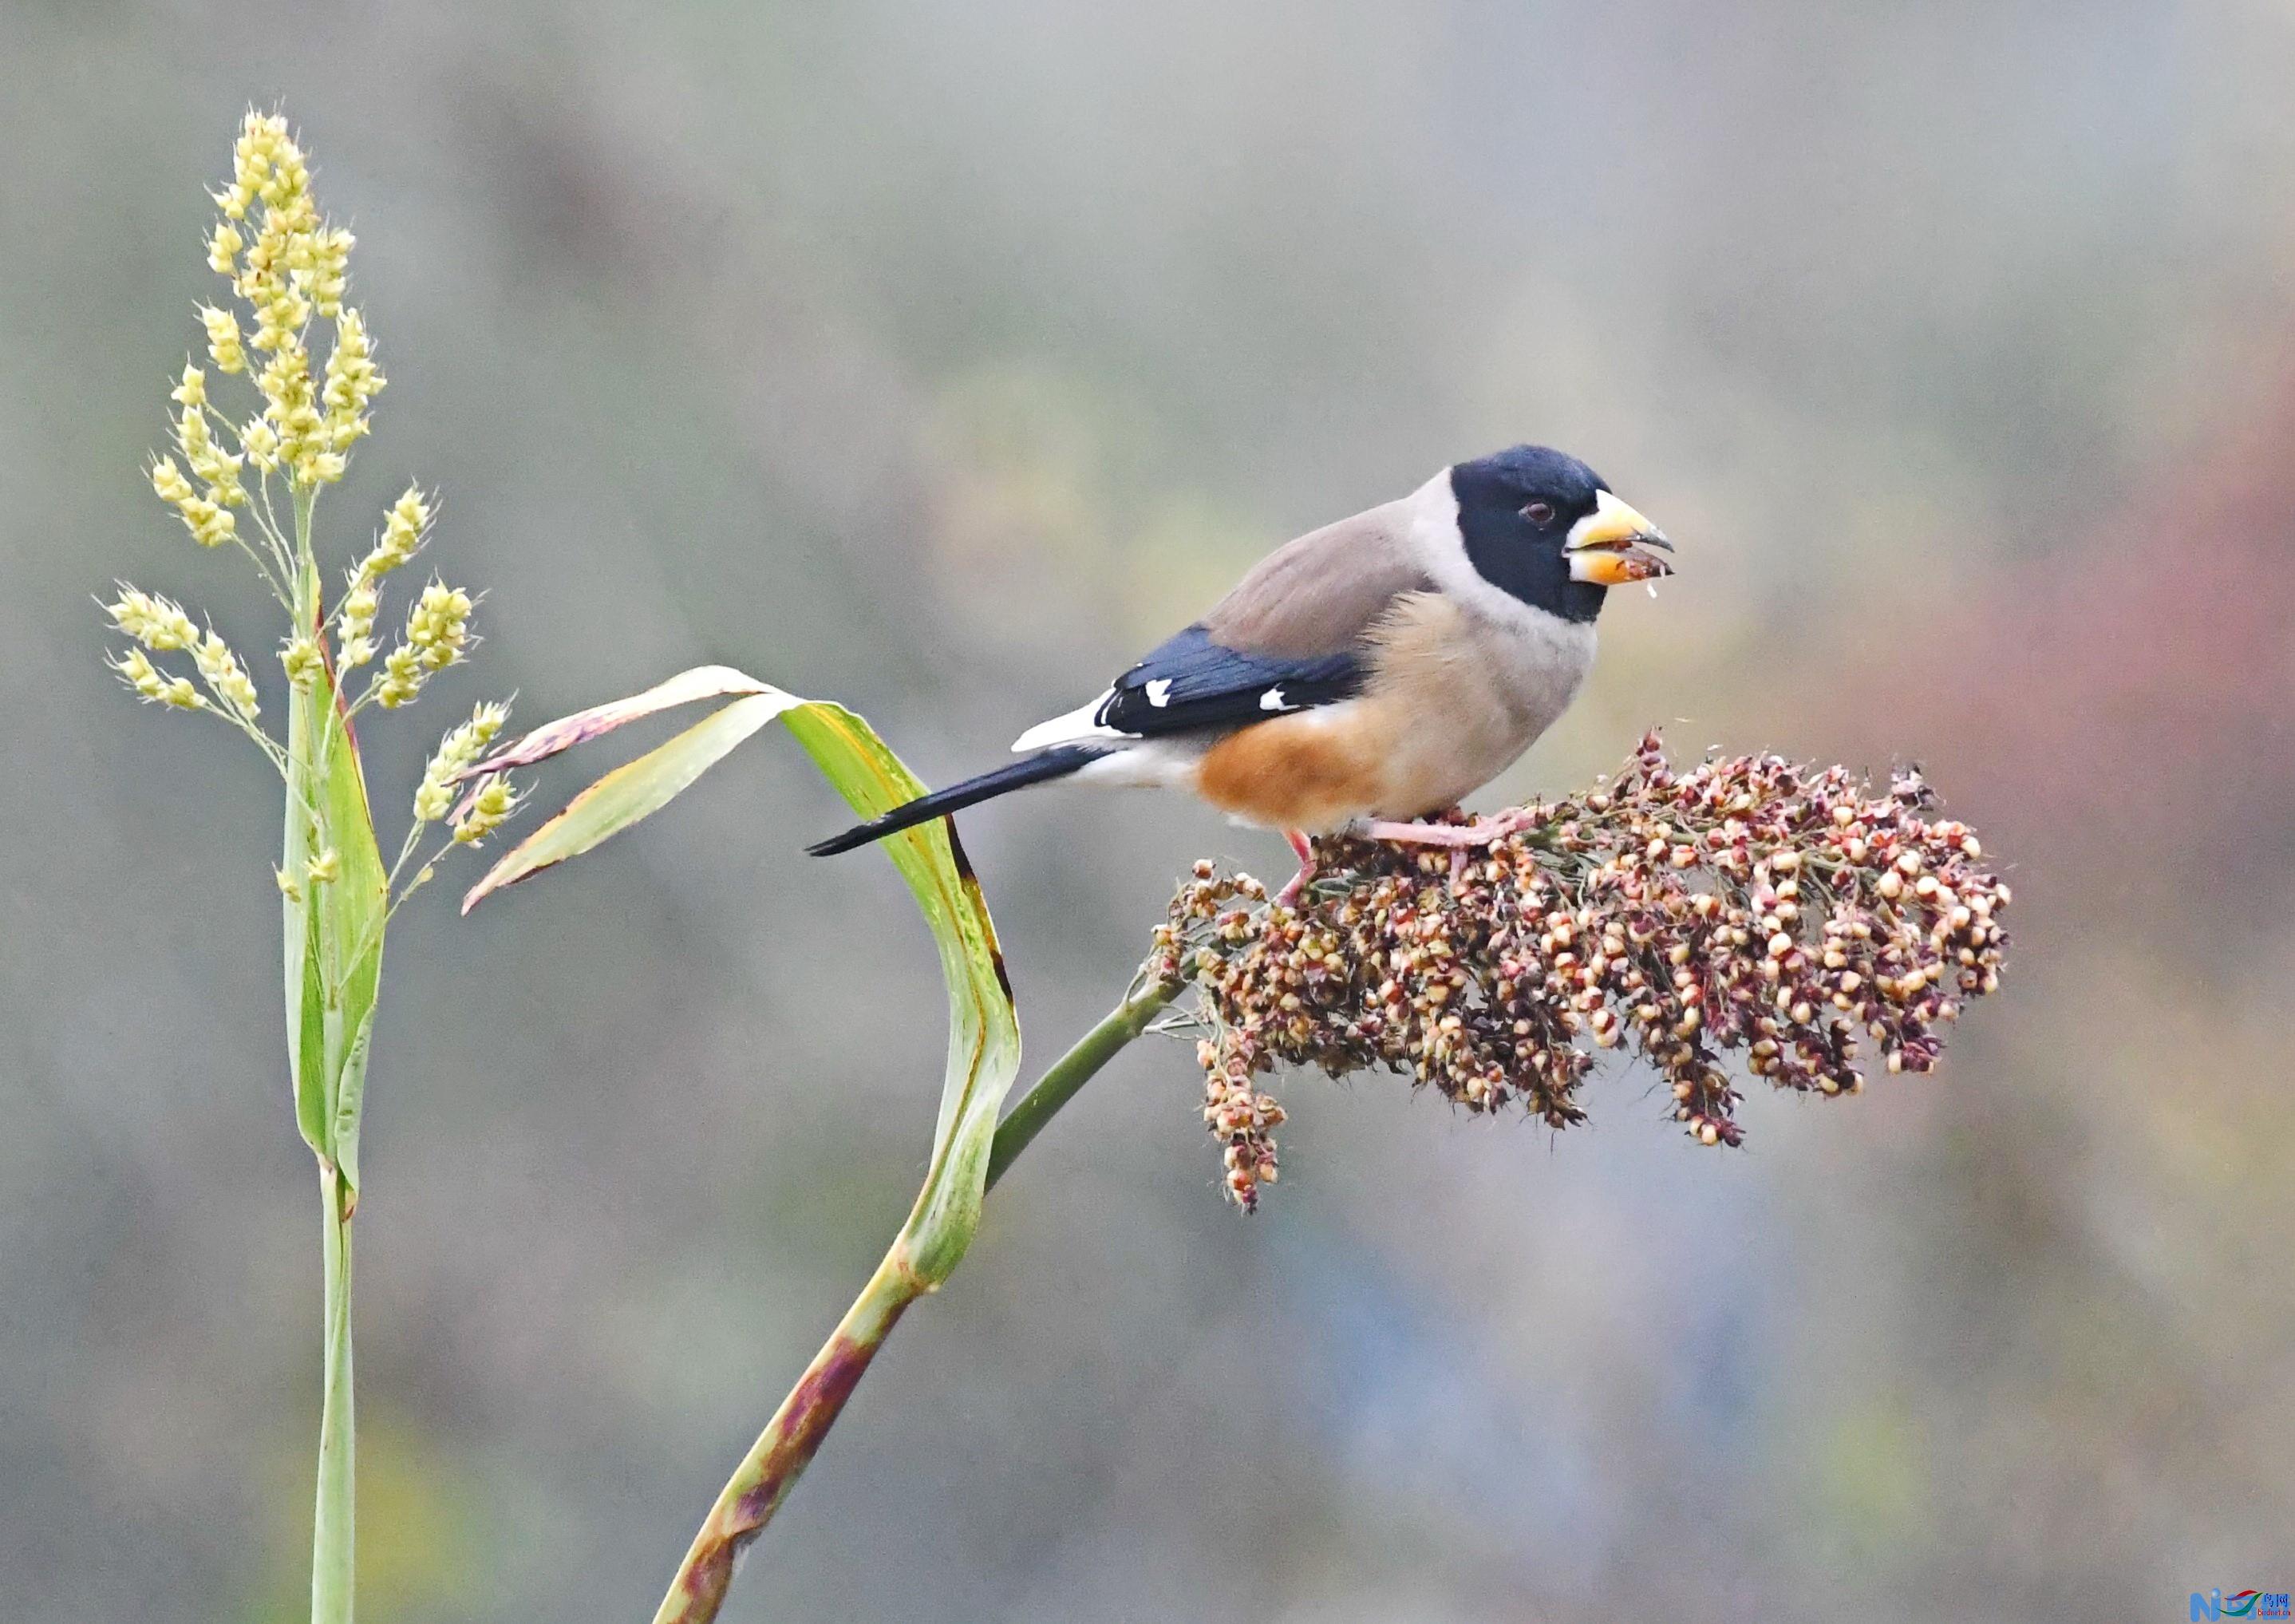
258, 441
280, 311
303, 662
402, 678
289, 192
356, 620
157, 623
331, 271
208, 460
456, 750
135, 669
493, 801
291, 408
323, 867
168, 481
268, 277
260, 137
439, 624
193, 391
154, 685
192, 438
268, 164
285, 382
211, 525
403, 528
285, 379
226, 348
225, 679
352, 382
432, 799
438, 632
287, 265
223, 249
408, 518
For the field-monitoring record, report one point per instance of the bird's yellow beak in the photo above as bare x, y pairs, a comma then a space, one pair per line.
1610, 546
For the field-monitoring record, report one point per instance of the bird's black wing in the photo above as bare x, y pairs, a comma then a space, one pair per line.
1191, 682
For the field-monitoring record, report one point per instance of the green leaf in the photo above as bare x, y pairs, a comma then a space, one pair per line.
629, 793
350, 1099
984, 1052
984, 1029
334, 929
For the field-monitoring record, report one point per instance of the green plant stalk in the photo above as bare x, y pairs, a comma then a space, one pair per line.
334, 1515
1073, 1070
332, 1531
791, 1438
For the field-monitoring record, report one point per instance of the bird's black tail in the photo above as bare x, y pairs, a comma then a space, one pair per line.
1036, 769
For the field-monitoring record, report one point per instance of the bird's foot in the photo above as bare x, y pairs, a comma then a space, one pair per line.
1288, 897
1457, 837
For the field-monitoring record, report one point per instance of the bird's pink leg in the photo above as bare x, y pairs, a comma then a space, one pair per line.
1305, 848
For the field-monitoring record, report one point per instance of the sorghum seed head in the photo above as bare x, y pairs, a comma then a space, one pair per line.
1580, 932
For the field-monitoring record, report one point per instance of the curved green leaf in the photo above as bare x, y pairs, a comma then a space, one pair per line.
629, 793
983, 1051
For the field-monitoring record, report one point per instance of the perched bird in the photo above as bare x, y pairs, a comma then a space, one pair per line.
1365, 674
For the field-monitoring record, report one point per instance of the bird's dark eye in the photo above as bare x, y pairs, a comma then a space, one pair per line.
1538, 513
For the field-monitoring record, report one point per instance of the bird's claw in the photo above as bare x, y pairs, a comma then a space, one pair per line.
1457, 837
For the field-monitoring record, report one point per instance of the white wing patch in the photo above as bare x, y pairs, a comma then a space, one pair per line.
1272, 700
1159, 692
1079, 726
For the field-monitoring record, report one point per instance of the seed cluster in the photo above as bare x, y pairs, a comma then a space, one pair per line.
290, 267
255, 481
1748, 906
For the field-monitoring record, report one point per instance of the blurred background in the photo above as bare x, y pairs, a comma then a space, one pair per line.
938, 358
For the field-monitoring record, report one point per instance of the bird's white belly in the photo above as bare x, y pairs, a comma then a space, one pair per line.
1151, 763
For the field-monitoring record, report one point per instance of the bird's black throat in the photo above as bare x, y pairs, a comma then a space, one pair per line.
1513, 554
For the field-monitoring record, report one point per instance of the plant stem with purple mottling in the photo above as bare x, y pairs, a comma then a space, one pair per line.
763, 1480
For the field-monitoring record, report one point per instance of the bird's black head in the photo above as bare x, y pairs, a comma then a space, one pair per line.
1545, 527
